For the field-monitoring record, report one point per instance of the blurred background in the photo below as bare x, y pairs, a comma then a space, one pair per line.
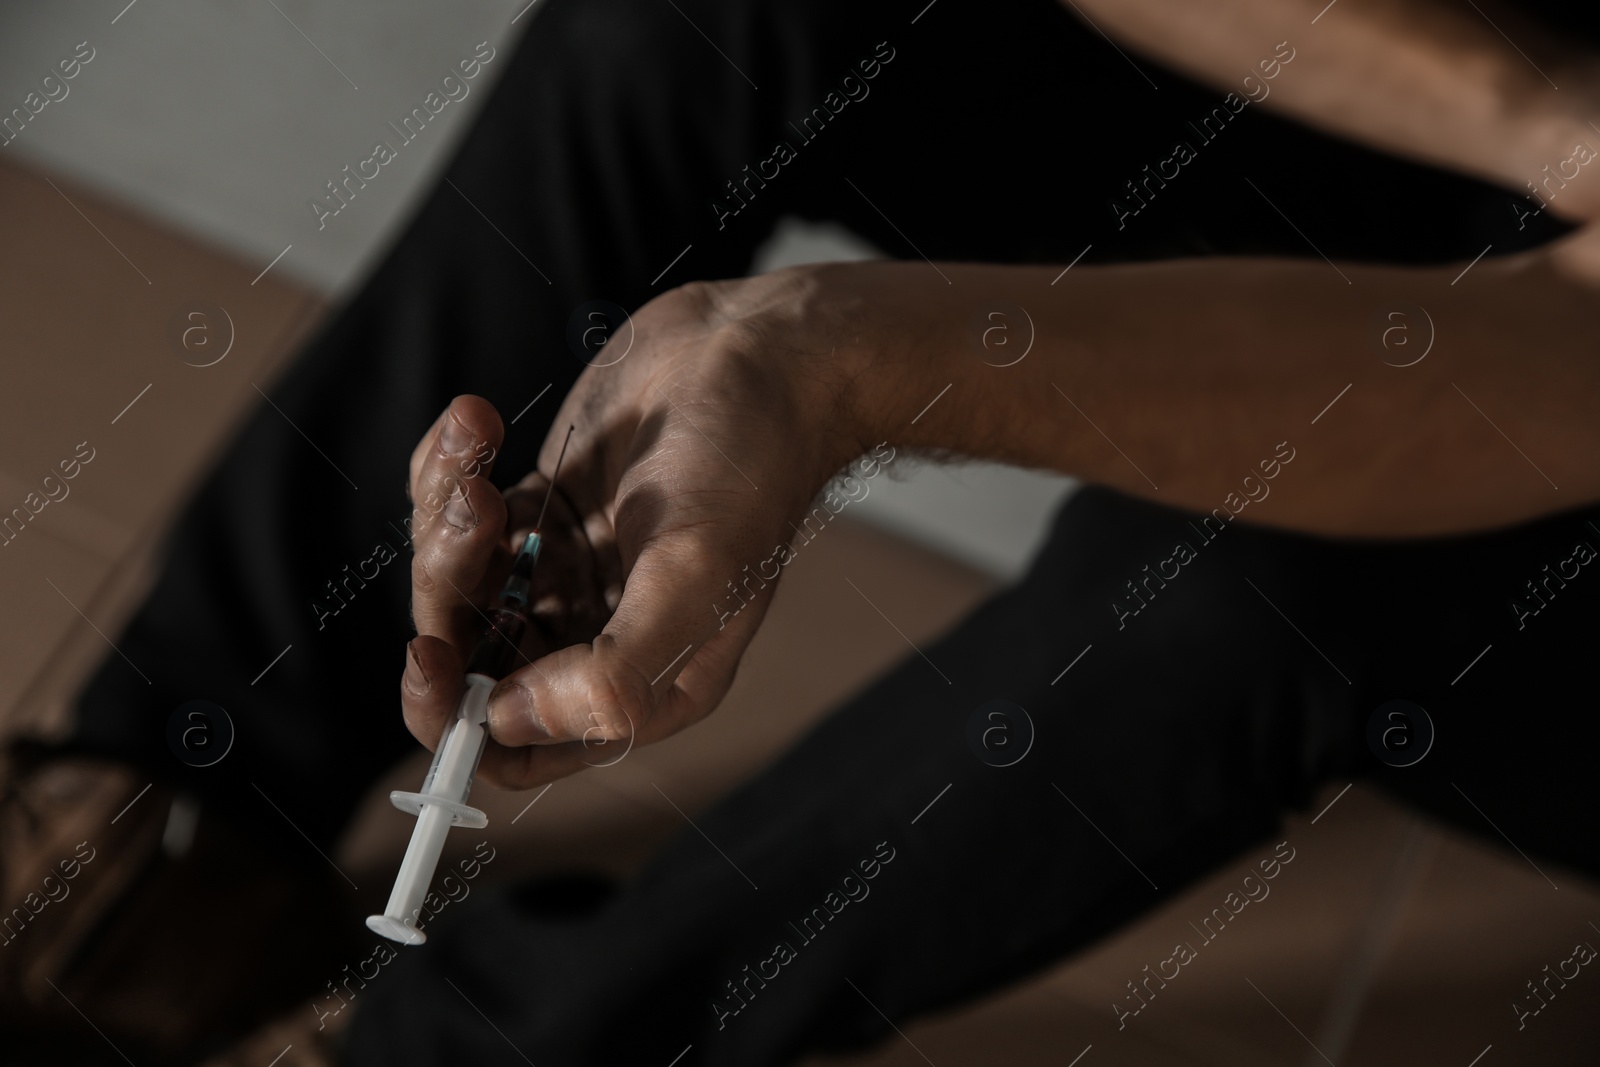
222, 121
173, 180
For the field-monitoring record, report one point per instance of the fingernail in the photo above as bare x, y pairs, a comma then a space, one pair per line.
603, 729
458, 511
454, 437
416, 679
513, 719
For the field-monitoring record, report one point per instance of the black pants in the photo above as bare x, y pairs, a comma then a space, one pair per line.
985, 133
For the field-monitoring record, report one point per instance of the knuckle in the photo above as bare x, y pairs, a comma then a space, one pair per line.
421, 525
693, 295
732, 341
442, 486
619, 691
421, 578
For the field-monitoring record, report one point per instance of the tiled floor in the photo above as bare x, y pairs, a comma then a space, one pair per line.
1387, 942
95, 304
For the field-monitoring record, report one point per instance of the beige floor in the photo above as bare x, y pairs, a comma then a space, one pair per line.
1387, 942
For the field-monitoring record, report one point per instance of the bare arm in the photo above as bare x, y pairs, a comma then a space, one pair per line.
1175, 381
1419, 78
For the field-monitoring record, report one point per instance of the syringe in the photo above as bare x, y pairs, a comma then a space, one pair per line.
442, 801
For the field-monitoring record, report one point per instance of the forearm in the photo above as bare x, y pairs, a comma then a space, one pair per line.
1175, 381
1419, 78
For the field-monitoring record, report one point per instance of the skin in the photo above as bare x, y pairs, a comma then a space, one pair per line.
739, 401
1422, 79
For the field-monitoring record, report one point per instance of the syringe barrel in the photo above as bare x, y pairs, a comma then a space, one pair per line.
499, 651
462, 744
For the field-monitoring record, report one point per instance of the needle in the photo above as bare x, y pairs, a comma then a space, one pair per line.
539, 525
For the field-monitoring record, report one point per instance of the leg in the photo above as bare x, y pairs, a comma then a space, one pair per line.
1179, 766
1182, 743
291, 541
1171, 745
1016, 133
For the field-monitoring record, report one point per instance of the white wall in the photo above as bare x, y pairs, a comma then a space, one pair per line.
223, 119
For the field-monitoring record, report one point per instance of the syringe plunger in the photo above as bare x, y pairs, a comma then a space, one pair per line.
440, 805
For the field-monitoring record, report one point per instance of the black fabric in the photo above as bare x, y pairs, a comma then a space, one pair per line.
994, 132
1173, 745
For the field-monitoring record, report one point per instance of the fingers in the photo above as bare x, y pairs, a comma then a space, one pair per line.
458, 518
430, 688
666, 658
430, 694
473, 409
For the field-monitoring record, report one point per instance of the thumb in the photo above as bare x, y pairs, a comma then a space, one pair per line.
664, 661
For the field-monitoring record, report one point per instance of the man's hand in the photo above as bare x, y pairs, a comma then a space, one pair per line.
739, 400
691, 456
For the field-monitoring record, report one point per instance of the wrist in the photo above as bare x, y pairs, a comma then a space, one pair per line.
955, 359
876, 343
950, 359
899, 332
818, 337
